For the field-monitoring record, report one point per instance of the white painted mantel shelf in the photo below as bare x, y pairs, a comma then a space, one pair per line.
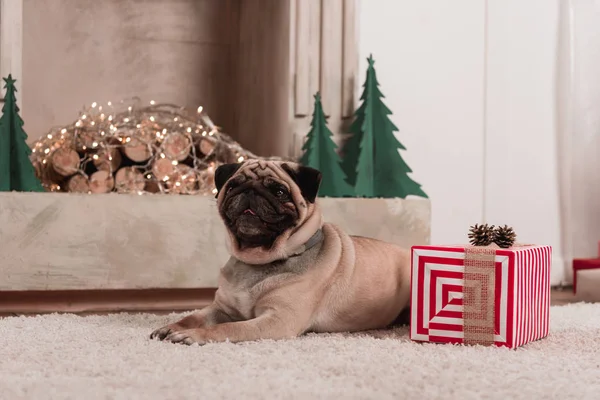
54, 241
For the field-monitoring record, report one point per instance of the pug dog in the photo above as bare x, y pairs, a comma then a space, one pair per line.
289, 272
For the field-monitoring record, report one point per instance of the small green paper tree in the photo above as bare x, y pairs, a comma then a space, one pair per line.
372, 161
352, 146
16, 170
320, 153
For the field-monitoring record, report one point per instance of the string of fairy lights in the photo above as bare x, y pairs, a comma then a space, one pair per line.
135, 148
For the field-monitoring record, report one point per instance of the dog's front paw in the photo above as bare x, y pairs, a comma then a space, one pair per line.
162, 333
188, 336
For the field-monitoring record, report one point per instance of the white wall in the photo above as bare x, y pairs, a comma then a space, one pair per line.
522, 172
579, 127
472, 87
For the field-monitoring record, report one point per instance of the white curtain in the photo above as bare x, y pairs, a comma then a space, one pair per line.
578, 111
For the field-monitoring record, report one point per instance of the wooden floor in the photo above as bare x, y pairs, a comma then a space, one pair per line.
153, 301
104, 301
563, 296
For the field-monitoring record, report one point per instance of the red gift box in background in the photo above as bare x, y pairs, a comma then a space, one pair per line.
503, 301
586, 277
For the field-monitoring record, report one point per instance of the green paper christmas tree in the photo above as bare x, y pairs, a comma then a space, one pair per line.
372, 161
320, 153
352, 147
16, 170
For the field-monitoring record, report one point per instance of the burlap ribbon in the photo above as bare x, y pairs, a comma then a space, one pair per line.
479, 293
479, 297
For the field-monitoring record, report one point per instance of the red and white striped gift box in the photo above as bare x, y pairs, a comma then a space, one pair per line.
520, 293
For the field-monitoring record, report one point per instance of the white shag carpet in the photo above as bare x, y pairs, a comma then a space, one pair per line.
110, 357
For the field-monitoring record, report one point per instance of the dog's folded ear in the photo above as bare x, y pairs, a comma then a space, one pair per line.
223, 173
308, 180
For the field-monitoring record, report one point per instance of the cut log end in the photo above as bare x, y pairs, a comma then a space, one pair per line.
207, 146
177, 146
65, 161
78, 184
162, 169
101, 182
183, 181
137, 151
129, 180
107, 159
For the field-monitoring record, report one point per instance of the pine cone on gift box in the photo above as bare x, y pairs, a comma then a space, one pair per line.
481, 235
504, 236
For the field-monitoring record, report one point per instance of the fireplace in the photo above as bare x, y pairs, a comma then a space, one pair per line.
253, 65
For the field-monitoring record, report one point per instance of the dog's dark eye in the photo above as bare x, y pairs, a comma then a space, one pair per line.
279, 192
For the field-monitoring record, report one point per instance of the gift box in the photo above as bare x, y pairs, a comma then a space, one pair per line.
480, 294
586, 278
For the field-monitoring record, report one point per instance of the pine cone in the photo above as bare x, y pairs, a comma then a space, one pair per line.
481, 235
504, 236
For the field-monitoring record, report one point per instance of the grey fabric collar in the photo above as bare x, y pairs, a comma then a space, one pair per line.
310, 243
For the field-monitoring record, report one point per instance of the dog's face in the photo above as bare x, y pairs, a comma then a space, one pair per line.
259, 202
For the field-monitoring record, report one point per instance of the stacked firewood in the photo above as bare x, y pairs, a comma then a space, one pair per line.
154, 149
